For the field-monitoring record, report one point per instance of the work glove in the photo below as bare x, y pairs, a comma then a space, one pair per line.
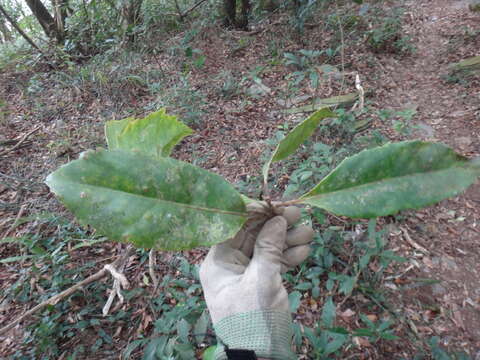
242, 282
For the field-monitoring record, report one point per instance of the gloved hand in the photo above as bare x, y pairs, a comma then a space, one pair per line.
242, 283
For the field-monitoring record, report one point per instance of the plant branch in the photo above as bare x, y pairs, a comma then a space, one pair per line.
20, 31
342, 51
192, 8
151, 268
19, 215
56, 298
21, 141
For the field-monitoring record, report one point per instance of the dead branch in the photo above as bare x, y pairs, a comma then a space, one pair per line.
412, 243
119, 281
20, 31
56, 298
191, 9
19, 215
20, 142
152, 263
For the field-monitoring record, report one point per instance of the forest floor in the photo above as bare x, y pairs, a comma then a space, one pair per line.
244, 89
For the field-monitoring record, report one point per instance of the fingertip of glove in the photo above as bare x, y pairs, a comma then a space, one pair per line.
296, 255
301, 235
292, 214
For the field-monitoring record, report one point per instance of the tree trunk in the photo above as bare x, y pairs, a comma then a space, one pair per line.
131, 12
43, 16
268, 5
20, 31
242, 22
60, 14
229, 14
4, 31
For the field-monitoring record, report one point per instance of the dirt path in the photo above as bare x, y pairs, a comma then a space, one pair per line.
451, 230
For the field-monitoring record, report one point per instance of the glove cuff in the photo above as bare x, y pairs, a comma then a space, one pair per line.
267, 332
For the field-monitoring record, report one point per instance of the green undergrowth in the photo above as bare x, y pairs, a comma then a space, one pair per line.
172, 318
338, 272
350, 260
347, 270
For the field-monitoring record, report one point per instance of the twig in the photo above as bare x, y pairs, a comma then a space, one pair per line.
119, 279
361, 92
56, 298
151, 268
342, 51
191, 9
20, 31
19, 215
413, 243
25, 137
178, 9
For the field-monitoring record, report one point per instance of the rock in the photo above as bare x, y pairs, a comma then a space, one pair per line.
258, 89
464, 141
293, 101
474, 5
438, 290
426, 130
449, 264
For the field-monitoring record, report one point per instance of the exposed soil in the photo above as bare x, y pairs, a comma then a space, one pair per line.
441, 242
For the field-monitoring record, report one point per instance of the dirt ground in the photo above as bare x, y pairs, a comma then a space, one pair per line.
450, 232
442, 241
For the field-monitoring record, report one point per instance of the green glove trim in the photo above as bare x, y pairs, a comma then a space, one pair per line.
267, 332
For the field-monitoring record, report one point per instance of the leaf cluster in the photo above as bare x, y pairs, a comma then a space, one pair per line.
133, 192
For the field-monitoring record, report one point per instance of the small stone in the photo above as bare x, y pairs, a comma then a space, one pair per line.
449, 263
464, 141
426, 130
258, 89
438, 289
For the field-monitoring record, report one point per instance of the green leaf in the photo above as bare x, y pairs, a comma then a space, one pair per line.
339, 330
329, 312
183, 328
347, 284
335, 344
367, 321
200, 328
15, 258
209, 354
113, 129
476, 163
296, 137
388, 336
155, 134
132, 346
246, 199
393, 177
153, 203
303, 286
363, 332
294, 299
154, 346
184, 351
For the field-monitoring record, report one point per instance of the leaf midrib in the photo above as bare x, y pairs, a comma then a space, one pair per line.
376, 182
194, 207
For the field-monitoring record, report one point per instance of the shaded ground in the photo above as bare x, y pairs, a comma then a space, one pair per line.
441, 242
